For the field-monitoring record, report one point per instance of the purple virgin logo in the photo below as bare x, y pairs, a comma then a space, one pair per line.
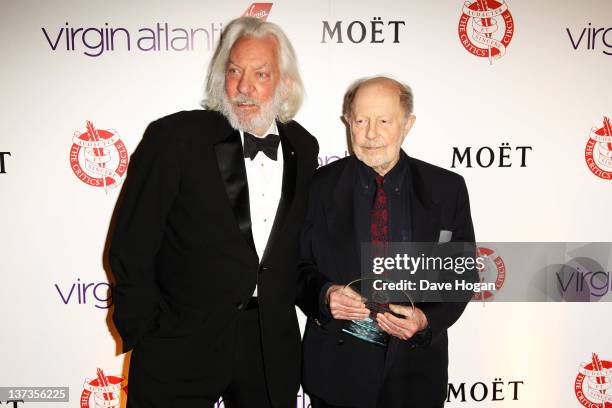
81, 293
323, 160
590, 39
95, 41
583, 280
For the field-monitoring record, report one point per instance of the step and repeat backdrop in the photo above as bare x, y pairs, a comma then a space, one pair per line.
516, 96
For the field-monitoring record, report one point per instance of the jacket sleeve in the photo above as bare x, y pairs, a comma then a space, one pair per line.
442, 315
311, 283
148, 193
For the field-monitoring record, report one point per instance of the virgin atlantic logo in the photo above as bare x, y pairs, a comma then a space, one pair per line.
258, 10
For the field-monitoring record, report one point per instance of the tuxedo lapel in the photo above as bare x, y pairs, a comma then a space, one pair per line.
287, 189
233, 174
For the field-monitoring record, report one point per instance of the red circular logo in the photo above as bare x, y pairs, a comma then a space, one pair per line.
486, 28
106, 391
98, 157
592, 385
598, 150
494, 270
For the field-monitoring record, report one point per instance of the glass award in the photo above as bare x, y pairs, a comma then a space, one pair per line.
377, 296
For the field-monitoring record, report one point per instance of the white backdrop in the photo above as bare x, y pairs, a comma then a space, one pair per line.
547, 92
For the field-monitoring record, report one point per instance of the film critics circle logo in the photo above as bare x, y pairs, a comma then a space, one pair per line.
494, 271
105, 390
598, 151
258, 10
486, 28
98, 157
592, 385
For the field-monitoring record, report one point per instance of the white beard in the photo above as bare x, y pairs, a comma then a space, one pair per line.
268, 111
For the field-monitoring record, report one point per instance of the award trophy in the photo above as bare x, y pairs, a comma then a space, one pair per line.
377, 301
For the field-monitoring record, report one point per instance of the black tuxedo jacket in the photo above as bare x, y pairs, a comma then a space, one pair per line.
185, 263
344, 370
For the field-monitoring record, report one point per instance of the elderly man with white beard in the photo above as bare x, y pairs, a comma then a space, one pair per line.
205, 247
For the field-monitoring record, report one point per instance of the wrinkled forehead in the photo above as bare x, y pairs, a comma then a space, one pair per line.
255, 50
377, 98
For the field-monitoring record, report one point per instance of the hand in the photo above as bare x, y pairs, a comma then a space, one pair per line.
346, 304
402, 327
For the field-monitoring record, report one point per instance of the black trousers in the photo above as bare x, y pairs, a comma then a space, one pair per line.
316, 402
319, 403
240, 382
247, 387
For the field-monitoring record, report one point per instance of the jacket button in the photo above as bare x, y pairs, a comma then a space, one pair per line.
340, 342
239, 306
263, 268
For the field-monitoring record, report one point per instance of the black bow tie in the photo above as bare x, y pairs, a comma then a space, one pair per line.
254, 145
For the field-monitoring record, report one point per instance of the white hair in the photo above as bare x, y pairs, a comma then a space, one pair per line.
254, 27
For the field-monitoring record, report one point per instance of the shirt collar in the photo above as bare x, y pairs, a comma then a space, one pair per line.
272, 130
394, 178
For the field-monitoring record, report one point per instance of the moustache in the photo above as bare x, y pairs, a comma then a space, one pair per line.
243, 99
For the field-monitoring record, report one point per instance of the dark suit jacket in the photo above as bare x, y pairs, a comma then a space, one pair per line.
185, 264
337, 367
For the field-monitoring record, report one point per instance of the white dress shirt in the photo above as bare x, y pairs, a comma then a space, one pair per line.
265, 178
